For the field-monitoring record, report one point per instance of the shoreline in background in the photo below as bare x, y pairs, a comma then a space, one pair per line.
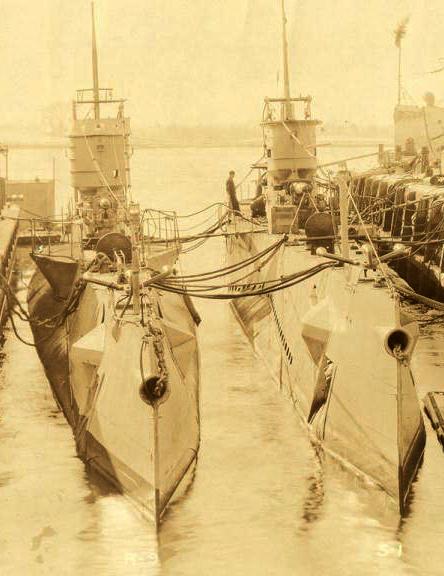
238, 136
62, 143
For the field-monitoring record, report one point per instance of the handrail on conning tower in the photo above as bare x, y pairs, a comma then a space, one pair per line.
272, 105
87, 96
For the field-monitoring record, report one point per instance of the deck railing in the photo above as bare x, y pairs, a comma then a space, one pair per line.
159, 228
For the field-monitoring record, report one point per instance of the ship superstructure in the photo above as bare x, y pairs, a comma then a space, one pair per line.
99, 154
402, 197
121, 359
321, 312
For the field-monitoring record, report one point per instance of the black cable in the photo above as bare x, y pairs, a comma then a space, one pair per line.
14, 328
233, 267
171, 281
288, 282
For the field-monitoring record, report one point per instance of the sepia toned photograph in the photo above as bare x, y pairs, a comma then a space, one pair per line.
221, 288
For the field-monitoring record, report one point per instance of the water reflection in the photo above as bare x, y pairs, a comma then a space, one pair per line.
315, 491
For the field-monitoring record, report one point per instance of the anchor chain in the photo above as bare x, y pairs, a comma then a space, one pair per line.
399, 354
156, 334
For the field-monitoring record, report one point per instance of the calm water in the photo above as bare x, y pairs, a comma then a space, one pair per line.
262, 501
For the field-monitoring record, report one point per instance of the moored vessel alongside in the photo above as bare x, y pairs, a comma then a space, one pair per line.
402, 197
121, 358
406, 208
322, 313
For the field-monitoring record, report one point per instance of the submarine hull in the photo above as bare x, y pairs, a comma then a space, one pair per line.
325, 343
97, 358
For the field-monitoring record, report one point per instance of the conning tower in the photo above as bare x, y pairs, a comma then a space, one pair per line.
290, 142
99, 155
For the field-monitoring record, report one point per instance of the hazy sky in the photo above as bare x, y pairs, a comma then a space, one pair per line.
213, 61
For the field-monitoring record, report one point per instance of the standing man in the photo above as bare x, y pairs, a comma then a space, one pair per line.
231, 191
257, 206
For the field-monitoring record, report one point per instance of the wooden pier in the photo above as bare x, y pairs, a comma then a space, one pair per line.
9, 225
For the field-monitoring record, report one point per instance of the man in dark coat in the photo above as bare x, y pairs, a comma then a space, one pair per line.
231, 191
257, 206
